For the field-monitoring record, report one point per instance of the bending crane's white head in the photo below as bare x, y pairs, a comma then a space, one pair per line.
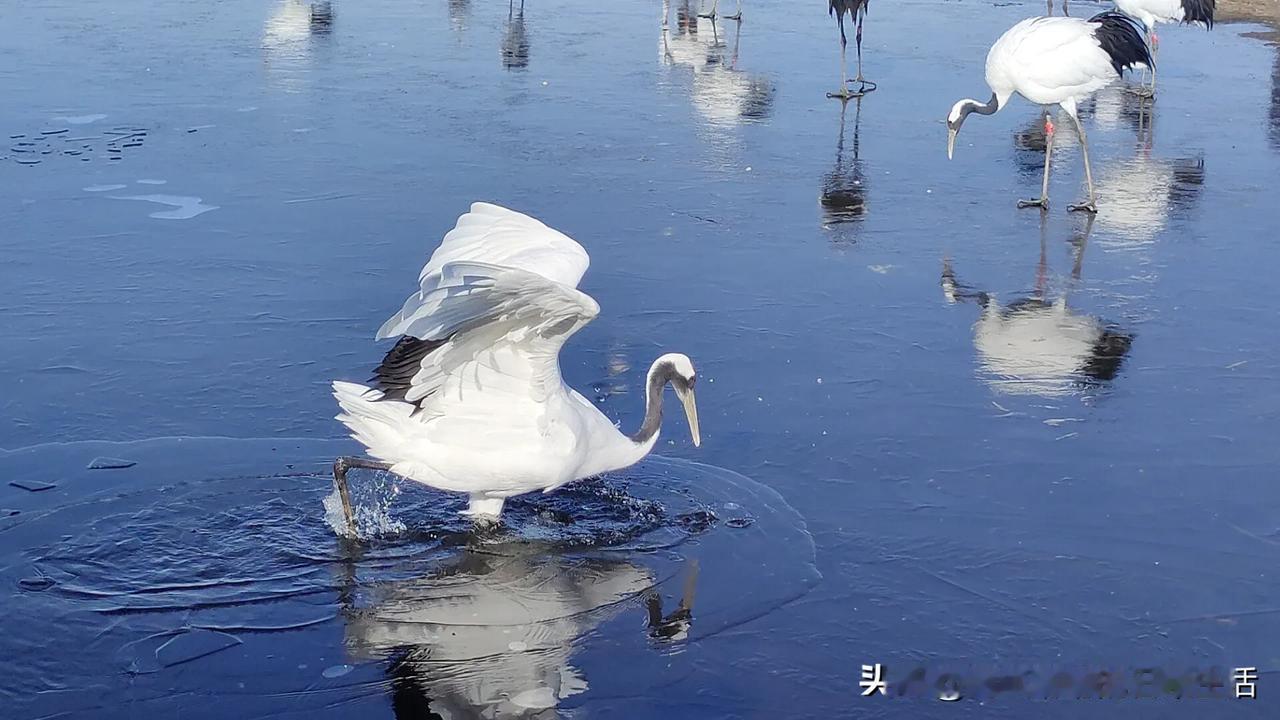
677, 369
961, 110
955, 118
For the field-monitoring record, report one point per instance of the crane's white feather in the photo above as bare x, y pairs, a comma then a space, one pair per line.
494, 235
494, 321
1049, 60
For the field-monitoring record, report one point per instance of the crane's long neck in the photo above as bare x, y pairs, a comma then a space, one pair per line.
647, 435
989, 108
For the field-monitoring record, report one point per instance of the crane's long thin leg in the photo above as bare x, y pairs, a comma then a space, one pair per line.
1149, 91
1043, 202
737, 14
1042, 267
866, 85
712, 14
843, 93
340, 468
1091, 205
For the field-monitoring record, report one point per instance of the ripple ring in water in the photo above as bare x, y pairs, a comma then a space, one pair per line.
210, 558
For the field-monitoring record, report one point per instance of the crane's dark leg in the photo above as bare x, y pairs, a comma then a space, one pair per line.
843, 93
1043, 202
1149, 91
1091, 204
340, 468
676, 625
866, 86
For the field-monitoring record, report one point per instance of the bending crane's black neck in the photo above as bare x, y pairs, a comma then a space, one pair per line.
658, 380
989, 109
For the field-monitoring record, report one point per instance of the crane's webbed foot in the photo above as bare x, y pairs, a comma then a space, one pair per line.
736, 16
1042, 203
864, 86
845, 93
1089, 207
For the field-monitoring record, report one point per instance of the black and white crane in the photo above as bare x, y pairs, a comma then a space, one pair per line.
1150, 12
856, 9
1055, 61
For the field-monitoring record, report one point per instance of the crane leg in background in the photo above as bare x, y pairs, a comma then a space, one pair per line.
1149, 91
1043, 202
866, 86
1091, 205
712, 14
843, 93
737, 14
340, 468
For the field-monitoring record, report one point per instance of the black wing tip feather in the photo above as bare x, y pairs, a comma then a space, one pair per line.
1121, 40
852, 7
1198, 11
394, 377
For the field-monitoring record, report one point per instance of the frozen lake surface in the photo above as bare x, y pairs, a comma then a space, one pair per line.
938, 432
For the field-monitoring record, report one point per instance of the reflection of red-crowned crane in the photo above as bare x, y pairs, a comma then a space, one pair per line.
1039, 345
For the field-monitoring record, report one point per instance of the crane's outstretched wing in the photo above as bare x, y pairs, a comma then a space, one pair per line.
485, 328
497, 236
494, 306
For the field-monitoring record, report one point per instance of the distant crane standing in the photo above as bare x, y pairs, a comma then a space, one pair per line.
1055, 61
1150, 12
856, 9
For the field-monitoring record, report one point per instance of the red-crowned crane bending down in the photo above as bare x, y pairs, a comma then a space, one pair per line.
856, 9
1056, 61
1150, 12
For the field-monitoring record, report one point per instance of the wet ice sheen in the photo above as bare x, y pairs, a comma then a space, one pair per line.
1095, 517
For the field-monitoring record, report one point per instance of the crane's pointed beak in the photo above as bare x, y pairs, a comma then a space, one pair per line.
951, 141
691, 412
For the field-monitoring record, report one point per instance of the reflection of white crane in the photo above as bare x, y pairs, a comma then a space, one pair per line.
458, 12
289, 30
492, 635
1140, 193
1038, 345
722, 94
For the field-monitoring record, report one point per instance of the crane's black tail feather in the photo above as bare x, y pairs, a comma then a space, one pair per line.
1198, 11
1121, 40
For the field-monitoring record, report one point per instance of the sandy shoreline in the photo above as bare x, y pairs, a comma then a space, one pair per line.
1263, 11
